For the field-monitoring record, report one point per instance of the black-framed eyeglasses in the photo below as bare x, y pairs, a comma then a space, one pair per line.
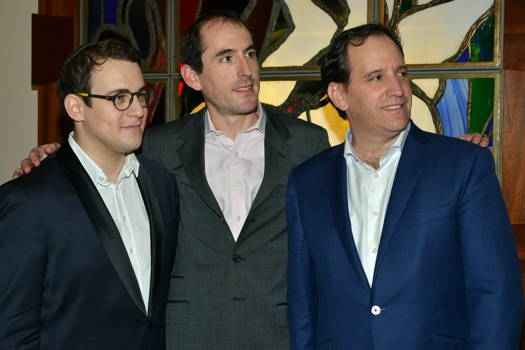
122, 100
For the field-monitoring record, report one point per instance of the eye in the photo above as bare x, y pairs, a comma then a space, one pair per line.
376, 77
122, 97
225, 59
403, 74
251, 54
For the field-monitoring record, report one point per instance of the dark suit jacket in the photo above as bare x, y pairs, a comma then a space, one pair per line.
446, 275
226, 294
65, 276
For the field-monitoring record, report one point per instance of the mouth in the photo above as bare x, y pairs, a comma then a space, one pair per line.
129, 127
393, 107
244, 89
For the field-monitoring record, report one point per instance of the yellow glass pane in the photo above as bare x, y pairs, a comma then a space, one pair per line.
313, 31
436, 33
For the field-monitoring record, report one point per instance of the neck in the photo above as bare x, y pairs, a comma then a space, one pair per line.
231, 125
370, 150
111, 163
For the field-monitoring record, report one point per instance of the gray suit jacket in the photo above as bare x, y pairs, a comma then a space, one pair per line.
226, 294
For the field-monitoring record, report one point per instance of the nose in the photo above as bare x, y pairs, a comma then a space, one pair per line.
396, 86
136, 110
245, 67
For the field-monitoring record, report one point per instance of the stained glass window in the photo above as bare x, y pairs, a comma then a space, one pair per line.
452, 47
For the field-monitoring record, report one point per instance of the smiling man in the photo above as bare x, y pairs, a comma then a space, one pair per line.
87, 239
398, 238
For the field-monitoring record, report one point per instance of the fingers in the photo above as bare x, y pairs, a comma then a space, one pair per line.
49, 148
484, 140
477, 139
17, 173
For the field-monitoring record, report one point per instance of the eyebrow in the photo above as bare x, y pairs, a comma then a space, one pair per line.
229, 51
380, 70
117, 91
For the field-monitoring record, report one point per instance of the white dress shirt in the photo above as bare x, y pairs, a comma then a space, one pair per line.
234, 169
368, 195
126, 206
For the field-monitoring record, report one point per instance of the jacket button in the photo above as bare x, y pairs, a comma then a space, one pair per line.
376, 310
236, 258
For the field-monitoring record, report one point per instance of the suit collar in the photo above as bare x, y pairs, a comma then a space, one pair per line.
157, 239
276, 159
409, 170
339, 201
102, 222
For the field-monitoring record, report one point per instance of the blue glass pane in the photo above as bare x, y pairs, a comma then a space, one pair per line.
464, 56
452, 107
110, 11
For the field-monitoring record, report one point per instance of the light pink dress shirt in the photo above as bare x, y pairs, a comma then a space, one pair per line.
234, 169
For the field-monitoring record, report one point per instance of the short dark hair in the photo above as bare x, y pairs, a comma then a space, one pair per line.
75, 75
192, 46
335, 66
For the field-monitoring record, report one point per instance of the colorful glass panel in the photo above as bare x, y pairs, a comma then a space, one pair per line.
142, 23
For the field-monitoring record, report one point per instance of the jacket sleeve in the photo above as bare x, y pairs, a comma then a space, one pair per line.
22, 269
301, 288
492, 276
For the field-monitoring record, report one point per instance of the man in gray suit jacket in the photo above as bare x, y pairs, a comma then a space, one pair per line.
231, 162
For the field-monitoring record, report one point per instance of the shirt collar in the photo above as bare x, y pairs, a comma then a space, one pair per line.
397, 145
131, 165
259, 124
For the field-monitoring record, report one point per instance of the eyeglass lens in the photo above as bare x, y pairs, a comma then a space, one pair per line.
123, 100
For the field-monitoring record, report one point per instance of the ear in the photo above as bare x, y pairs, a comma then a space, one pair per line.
337, 94
75, 107
191, 77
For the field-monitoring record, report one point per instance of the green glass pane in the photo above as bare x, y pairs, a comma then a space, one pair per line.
405, 5
482, 103
482, 42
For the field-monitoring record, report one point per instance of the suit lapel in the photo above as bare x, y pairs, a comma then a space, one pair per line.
276, 151
102, 222
337, 188
156, 231
408, 173
192, 156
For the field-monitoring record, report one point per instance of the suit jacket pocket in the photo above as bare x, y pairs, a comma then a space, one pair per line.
427, 215
177, 312
441, 342
325, 344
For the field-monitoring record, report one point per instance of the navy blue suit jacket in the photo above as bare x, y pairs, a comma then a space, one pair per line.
446, 275
66, 281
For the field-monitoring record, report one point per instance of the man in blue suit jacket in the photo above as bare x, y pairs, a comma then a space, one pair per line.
87, 240
399, 238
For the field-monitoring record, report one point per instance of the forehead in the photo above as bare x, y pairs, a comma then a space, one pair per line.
376, 52
117, 74
221, 34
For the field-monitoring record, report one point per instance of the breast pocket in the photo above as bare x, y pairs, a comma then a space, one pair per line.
422, 215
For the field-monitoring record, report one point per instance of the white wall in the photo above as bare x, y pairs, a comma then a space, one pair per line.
18, 103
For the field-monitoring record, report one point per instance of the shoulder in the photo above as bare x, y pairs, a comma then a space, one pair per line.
41, 184
326, 162
297, 126
445, 145
173, 128
154, 169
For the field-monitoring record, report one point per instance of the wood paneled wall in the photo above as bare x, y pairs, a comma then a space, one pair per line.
514, 110
51, 124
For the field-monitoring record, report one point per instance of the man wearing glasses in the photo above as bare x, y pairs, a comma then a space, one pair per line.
87, 240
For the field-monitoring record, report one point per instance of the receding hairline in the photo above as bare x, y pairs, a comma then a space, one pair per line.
223, 21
